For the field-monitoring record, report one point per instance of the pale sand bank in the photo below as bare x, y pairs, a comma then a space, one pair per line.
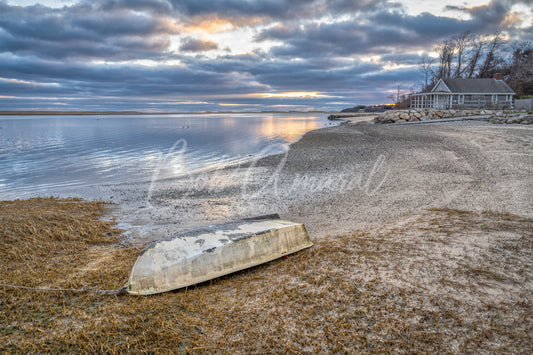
342, 178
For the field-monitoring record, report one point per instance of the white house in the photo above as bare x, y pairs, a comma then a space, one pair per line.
466, 93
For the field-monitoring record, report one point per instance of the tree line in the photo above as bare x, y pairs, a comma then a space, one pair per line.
467, 55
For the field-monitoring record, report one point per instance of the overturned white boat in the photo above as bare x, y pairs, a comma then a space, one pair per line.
203, 254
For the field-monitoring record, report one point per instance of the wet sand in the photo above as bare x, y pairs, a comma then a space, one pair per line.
340, 179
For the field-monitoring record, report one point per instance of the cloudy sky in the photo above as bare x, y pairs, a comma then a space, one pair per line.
240, 55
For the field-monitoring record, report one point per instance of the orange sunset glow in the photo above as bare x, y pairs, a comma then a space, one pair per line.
291, 94
289, 130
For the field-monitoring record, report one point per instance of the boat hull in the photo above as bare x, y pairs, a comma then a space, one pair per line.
203, 254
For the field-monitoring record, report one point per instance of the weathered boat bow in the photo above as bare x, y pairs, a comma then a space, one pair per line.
206, 253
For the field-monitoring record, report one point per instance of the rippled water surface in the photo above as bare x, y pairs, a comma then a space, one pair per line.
43, 154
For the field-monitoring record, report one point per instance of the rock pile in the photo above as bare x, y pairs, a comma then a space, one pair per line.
398, 116
520, 118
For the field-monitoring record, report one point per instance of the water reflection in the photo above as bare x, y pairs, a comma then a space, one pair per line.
290, 129
40, 155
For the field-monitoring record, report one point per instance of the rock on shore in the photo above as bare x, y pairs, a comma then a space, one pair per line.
520, 118
496, 116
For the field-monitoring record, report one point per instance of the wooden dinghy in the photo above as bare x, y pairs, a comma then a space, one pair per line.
203, 254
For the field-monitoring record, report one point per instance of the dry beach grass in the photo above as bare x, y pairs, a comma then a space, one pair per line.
441, 281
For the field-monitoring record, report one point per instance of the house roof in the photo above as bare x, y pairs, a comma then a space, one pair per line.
478, 86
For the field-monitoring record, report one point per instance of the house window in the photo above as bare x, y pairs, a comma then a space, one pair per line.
508, 98
461, 99
494, 99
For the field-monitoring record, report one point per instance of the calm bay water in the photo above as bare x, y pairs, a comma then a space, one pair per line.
40, 155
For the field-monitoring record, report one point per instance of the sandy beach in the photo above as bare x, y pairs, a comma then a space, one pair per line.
423, 242
339, 179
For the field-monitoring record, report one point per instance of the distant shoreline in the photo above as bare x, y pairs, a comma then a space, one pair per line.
93, 113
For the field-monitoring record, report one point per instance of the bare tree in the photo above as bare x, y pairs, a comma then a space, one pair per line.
449, 58
475, 55
492, 58
426, 67
479, 56
461, 43
445, 52
520, 69
440, 50
400, 97
395, 97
